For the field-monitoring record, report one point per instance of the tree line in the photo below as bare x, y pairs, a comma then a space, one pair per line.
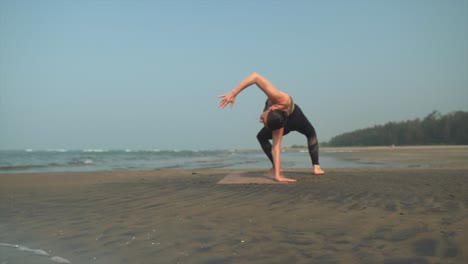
434, 129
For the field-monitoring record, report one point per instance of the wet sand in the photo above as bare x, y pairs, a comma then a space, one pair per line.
408, 156
412, 214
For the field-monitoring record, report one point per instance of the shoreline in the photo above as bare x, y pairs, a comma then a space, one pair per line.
332, 157
99, 150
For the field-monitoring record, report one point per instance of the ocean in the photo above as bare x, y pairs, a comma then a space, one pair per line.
54, 160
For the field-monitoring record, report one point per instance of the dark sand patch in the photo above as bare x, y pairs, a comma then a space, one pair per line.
248, 177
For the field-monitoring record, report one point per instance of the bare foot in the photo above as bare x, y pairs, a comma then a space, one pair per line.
318, 170
284, 179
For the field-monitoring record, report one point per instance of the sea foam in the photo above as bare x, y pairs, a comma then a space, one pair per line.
38, 252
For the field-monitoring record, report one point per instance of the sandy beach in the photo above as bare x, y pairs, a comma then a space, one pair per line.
416, 213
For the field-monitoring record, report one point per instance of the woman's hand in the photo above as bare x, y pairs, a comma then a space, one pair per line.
264, 116
228, 98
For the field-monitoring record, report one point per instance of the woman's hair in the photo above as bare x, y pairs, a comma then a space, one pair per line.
276, 119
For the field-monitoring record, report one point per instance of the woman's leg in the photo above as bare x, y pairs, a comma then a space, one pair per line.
299, 122
312, 142
264, 137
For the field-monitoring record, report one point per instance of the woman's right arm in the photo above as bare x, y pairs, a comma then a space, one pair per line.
254, 78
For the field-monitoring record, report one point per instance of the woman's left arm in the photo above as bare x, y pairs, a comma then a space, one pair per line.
276, 150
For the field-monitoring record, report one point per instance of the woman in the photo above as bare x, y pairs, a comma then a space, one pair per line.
280, 116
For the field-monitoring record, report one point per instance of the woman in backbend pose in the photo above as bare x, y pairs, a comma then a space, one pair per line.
280, 116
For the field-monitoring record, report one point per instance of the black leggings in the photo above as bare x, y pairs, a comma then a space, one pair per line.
297, 121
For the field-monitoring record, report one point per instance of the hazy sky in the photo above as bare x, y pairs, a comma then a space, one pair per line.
146, 74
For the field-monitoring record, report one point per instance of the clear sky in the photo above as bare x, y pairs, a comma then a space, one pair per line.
146, 74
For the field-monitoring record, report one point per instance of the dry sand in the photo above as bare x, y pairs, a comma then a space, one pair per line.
415, 214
